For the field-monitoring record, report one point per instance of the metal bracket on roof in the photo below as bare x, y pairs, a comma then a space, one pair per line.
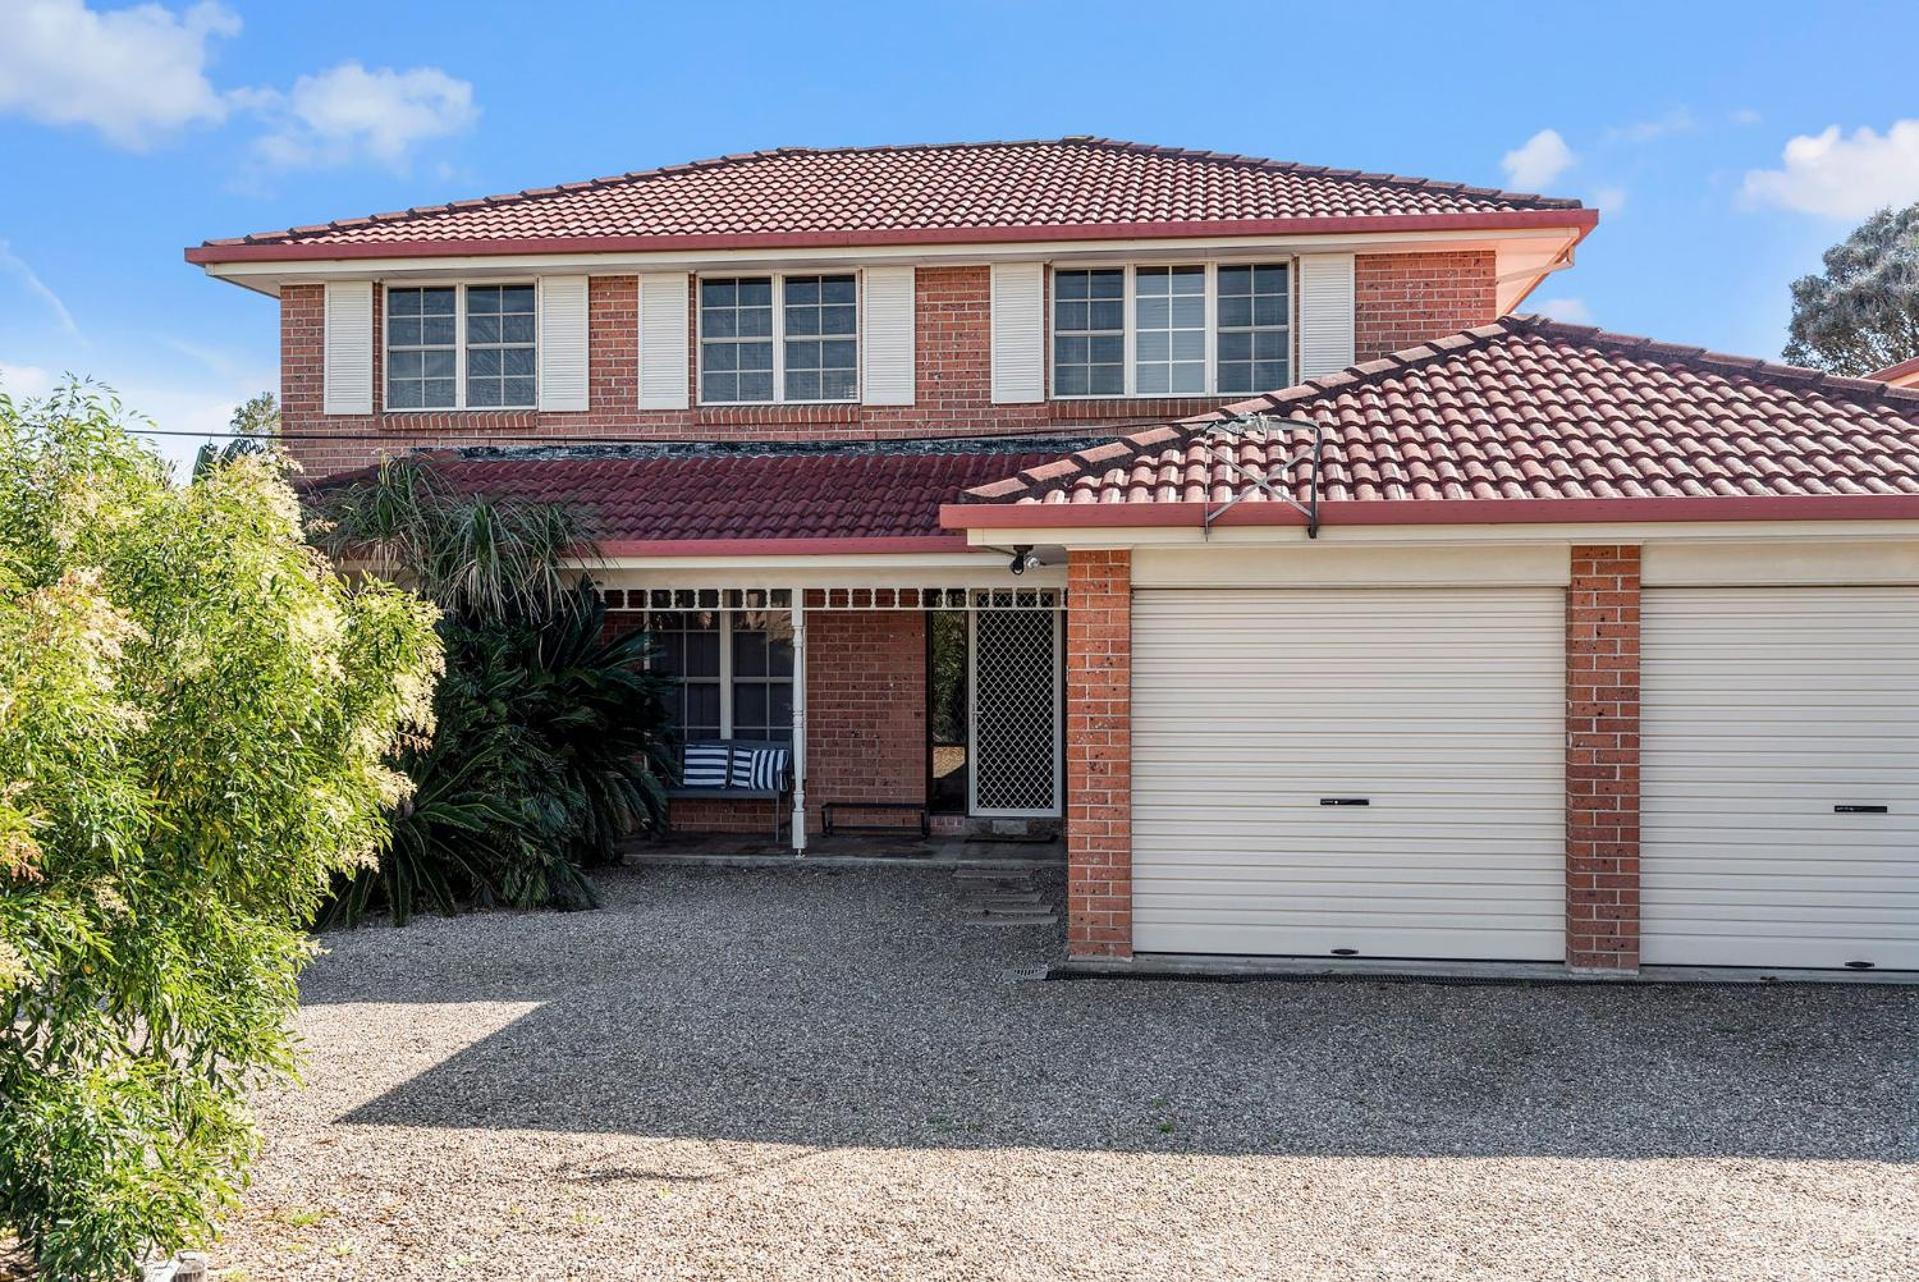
1226, 434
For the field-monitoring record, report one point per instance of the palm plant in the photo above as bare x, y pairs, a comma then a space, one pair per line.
551, 737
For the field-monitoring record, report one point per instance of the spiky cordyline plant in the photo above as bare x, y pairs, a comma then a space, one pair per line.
551, 736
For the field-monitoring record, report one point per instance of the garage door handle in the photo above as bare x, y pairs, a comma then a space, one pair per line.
1345, 801
1859, 810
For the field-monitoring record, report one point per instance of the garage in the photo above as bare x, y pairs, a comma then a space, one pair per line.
1780, 777
1351, 772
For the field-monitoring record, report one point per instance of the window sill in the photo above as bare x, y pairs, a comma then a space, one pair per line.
428, 421
765, 414
1092, 407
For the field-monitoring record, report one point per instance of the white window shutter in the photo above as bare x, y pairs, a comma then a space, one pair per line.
1325, 314
1019, 333
886, 339
562, 307
663, 376
347, 363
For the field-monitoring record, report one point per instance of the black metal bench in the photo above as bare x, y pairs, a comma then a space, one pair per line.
779, 794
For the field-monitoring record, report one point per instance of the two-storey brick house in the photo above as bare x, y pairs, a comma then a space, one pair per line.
1353, 668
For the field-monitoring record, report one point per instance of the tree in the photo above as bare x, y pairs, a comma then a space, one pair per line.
195, 719
1862, 313
552, 737
252, 423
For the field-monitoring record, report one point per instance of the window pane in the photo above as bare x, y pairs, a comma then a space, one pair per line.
815, 306
1169, 322
749, 706
518, 391
749, 653
420, 359
1089, 338
1254, 336
736, 322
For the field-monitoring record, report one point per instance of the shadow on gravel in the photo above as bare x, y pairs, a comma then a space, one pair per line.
846, 1009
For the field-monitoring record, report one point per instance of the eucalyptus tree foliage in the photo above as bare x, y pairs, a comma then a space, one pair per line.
552, 736
196, 722
253, 425
1861, 313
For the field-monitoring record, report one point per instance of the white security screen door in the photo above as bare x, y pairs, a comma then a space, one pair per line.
1016, 713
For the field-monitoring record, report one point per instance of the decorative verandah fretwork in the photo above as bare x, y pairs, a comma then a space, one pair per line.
796, 602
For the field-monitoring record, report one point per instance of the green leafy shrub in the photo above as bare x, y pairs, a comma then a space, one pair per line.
196, 717
551, 736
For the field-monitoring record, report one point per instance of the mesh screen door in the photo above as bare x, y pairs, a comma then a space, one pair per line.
1016, 712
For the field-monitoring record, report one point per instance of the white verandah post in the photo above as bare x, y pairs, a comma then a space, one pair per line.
799, 721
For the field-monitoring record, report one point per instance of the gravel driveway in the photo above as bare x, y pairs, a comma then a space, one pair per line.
817, 1073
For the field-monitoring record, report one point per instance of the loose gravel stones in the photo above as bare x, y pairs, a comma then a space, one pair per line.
821, 1073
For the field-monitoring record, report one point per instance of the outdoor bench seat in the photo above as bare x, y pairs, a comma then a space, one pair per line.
737, 770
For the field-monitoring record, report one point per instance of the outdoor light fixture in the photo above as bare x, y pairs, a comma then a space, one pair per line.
1023, 558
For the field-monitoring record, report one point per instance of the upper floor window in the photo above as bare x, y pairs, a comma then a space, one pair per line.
804, 348
460, 347
1182, 330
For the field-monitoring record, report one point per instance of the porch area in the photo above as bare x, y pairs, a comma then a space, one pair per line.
859, 718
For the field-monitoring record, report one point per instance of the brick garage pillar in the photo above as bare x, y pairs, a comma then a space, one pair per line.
1602, 759
1099, 754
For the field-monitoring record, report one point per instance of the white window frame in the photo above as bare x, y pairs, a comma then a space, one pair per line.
779, 338
726, 677
459, 405
1132, 268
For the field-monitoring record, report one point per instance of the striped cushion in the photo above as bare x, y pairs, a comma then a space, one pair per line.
759, 768
706, 765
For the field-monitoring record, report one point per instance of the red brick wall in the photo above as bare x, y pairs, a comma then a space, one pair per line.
1401, 300
953, 330
1099, 754
865, 720
1602, 759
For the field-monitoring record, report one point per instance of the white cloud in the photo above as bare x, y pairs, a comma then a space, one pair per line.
17, 267
1745, 116
348, 112
1677, 121
23, 381
1609, 200
1842, 176
134, 74
139, 75
1537, 161
1573, 311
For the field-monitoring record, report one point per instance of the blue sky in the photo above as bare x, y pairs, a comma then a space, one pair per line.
1727, 144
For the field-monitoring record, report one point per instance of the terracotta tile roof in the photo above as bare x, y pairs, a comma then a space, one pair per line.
714, 494
978, 190
1525, 410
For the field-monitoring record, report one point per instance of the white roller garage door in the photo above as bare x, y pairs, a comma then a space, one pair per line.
1766, 710
1443, 708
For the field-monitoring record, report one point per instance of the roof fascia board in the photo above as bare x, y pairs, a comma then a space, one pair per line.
1732, 526
607, 260
938, 554
284, 251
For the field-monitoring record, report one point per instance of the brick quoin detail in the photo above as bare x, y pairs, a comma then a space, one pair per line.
1402, 300
866, 720
1602, 759
1099, 754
